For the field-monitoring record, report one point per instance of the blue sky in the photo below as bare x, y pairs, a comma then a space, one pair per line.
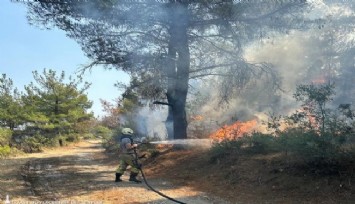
25, 48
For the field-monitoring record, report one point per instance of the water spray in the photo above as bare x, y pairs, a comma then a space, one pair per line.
200, 143
186, 142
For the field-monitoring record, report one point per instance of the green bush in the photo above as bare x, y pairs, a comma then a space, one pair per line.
260, 143
110, 139
35, 143
5, 136
88, 136
102, 132
255, 143
222, 150
5, 151
61, 140
110, 144
316, 152
72, 137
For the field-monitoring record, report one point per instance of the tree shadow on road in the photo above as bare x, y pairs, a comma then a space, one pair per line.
59, 177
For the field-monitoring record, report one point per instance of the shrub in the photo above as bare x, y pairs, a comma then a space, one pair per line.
102, 132
61, 140
224, 149
260, 143
110, 144
5, 151
321, 154
35, 143
88, 136
5, 136
110, 139
72, 137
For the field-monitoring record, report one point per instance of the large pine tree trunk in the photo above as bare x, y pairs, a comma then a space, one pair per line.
169, 124
178, 68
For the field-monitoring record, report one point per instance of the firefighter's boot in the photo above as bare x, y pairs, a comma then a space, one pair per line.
133, 178
118, 177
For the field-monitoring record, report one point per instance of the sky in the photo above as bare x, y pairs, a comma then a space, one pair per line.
25, 48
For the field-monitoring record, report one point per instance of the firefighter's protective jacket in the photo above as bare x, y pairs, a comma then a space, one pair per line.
126, 139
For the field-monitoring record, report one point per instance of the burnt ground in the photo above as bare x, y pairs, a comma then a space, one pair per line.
83, 172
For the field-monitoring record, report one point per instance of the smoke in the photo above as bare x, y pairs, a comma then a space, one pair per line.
298, 57
294, 56
322, 54
150, 122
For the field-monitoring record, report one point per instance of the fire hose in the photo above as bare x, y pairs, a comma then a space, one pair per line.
136, 158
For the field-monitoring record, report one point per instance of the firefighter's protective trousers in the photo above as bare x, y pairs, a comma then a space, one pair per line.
125, 161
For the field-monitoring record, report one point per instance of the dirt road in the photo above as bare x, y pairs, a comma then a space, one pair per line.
84, 174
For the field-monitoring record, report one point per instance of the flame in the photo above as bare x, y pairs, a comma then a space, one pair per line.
231, 132
322, 79
312, 119
319, 81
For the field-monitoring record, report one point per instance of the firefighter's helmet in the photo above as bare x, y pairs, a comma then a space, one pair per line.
127, 131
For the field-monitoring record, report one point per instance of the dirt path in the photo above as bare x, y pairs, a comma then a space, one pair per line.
84, 173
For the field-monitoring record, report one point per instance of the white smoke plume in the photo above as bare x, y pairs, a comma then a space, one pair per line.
299, 57
150, 122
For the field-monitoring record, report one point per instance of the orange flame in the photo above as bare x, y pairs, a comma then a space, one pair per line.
311, 118
231, 132
319, 80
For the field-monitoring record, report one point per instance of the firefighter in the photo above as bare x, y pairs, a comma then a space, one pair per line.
127, 156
